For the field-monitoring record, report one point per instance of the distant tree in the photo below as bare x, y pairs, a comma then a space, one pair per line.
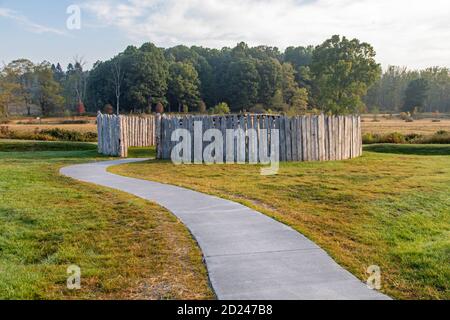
108, 109
159, 108
242, 81
8, 91
75, 83
58, 73
202, 107
299, 101
147, 73
48, 91
220, 109
299, 56
183, 90
415, 95
118, 75
277, 102
295, 97
81, 109
22, 73
343, 70
270, 74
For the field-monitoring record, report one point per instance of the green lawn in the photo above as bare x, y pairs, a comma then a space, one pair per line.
390, 207
127, 248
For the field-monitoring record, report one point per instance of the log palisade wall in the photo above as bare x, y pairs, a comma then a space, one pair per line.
117, 133
301, 138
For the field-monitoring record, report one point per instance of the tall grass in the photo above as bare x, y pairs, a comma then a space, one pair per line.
440, 137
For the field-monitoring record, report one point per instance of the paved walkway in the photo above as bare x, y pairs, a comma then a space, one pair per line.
248, 254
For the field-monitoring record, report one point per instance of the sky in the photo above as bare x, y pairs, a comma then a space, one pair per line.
411, 33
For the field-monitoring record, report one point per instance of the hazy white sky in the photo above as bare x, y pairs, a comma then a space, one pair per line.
413, 33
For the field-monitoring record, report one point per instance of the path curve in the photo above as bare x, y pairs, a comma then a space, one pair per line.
248, 255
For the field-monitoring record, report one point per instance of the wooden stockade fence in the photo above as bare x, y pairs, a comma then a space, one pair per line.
117, 133
301, 138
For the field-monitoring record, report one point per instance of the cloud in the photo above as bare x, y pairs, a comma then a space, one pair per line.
405, 32
27, 23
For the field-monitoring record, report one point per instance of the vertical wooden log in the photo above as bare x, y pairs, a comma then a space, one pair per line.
303, 138
313, 138
282, 121
360, 136
330, 138
347, 137
308, 137
294, 138
298, 128
288, 139
157, 135
321, 138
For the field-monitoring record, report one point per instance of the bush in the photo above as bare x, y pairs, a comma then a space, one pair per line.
220, 109
413, 137
369, 138
49, 135
394, 137
75, 122
70, 135
257, 108
440, 137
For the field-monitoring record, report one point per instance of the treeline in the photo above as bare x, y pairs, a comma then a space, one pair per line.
400, 89
55, 91
338, 76
332, 77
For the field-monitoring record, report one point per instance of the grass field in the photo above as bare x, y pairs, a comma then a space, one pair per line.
389, 208
32, 128
32, 125
424, 126
127, 248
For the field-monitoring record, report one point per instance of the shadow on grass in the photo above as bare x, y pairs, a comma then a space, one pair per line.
16, 150
413, 149
34, 146
146, 152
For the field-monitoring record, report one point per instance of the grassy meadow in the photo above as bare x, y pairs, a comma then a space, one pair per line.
422, 126
390, 207
127, 248
381, 126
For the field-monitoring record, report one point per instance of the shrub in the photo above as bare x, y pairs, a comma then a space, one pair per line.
75, 122
440, 137
221, 108
394, 137
49, 135
159, 108
108, 109
258, 108
369, 138
202, 107
413, 138
70, 135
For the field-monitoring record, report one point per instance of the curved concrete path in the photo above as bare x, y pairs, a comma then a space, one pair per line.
248, 255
